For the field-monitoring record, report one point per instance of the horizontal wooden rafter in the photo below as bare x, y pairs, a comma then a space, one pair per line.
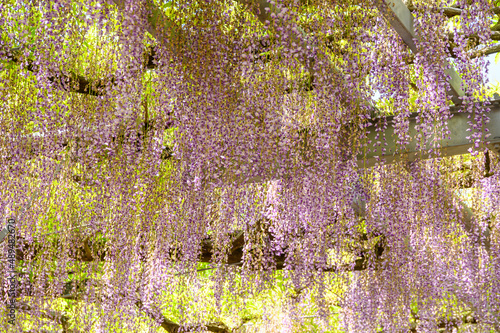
382, 145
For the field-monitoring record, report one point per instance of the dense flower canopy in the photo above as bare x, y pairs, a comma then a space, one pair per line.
146, 141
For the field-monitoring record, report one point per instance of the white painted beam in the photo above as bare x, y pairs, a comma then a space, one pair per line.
456, 144
3, 233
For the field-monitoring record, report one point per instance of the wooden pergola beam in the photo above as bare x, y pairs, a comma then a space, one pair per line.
385, 147
457, 142
401, 19
89, 252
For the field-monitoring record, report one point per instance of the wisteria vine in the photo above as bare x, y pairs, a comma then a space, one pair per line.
230, 138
